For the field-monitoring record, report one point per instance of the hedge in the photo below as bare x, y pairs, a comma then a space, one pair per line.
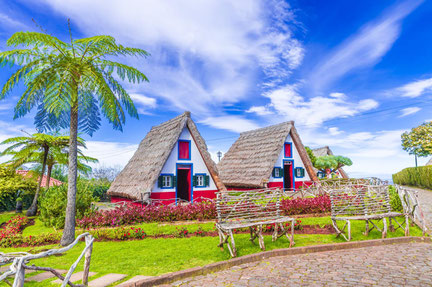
415, 176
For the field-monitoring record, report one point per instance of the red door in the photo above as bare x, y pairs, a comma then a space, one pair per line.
184, 183
288, 176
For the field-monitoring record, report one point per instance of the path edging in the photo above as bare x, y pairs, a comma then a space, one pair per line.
218, 266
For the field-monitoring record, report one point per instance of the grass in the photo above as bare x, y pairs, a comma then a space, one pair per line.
162, 255
5, 216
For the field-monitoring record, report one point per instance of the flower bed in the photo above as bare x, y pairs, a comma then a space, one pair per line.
131, 214
11, 230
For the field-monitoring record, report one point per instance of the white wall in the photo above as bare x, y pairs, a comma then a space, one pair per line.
196, 159
297, 162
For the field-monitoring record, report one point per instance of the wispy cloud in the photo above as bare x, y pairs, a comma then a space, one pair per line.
286, 102
414, 89
235, 124
205, 54
363, 49
409, 111
143, 102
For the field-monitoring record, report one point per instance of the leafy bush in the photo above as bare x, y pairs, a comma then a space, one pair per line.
98, 187
10, 184
395, 201
132, 214
53, 202
415, 176
11, 231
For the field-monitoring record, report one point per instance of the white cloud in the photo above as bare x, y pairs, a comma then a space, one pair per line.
205, 54
363, 49
260, 110
286, 102
414, 89
110, 153
373, 153
143, 103
409, 111
235, 124
6, 20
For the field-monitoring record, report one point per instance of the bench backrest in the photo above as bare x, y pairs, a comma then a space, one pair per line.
360, 200
248, 206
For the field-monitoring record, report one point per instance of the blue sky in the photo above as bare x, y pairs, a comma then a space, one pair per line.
353, 75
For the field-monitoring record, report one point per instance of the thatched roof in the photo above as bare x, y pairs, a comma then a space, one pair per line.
250, 160
323, 151
143, 169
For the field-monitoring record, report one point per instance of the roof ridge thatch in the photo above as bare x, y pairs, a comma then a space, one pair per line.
239, 169
141, 172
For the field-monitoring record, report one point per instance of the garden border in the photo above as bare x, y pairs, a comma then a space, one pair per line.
218, 266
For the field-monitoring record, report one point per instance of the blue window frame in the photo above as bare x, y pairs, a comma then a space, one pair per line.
178, 150
288, 150
167, 181
299, 172
200, 179
277, 172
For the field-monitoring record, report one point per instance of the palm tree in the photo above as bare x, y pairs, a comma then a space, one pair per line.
59, 156
29, 146
64, 78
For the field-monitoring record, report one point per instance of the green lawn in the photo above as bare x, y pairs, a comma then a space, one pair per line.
157, 256
5, 216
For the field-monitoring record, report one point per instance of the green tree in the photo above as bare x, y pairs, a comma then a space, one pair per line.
30, 146
65, 78
418, 141
331, 163
310, 154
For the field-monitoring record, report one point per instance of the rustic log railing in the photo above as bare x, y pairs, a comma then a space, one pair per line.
251, 209
20, 260
364, 202
411, 205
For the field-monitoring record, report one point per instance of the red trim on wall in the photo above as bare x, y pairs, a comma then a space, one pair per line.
199, 194
275, 184
115, 199
170, 196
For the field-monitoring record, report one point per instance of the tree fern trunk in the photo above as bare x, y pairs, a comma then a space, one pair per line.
48, 176
33, 208
69, 228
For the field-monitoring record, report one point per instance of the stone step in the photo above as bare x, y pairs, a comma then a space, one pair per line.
43, 276
106, 280
133, 280
75, 277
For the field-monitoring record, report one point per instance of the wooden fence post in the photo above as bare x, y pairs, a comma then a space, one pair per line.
87, 258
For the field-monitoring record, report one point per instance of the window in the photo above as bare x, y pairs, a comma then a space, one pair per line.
277, 172
288, 150
184, 151
201, 180
167, 181
299, 172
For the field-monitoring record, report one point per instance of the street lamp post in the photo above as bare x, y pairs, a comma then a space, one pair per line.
219, 155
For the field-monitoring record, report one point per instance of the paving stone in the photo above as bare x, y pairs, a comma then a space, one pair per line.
106, 280
134, 279
75, 277
406, 264
43, 276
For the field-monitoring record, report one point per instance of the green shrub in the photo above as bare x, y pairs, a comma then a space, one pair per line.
395, 201
10, 184
98, 187
415, 176
53, 202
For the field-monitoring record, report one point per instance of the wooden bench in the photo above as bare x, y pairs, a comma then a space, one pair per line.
251, 209
364, 202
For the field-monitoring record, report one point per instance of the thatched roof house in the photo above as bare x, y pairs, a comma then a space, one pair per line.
323, 151
267, 157
168, 161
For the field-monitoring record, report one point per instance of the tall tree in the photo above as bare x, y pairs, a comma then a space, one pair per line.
28, 147
69, 82
331, 163
418, 141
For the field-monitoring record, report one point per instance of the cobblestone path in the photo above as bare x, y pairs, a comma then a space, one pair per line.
425, 199
407, 264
